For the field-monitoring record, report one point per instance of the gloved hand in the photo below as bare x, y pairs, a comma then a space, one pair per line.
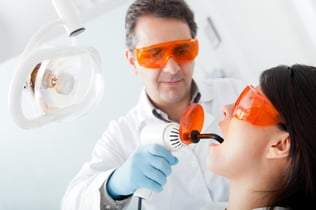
148, 167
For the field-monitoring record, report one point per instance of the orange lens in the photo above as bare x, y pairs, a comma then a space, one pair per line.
157, 56
255, 108
192, 119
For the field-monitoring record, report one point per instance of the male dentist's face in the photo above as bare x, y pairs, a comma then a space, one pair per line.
172, 82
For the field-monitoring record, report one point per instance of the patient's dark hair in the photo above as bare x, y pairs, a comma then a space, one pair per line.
292, 90
175, 9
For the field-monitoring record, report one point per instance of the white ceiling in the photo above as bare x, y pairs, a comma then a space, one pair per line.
19, 20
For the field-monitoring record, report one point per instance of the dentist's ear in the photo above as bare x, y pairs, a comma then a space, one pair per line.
280, 147
131, 60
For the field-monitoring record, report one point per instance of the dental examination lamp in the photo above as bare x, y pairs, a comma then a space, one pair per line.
62, 81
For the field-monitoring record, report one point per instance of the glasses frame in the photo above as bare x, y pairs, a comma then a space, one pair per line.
165, 51
261, 112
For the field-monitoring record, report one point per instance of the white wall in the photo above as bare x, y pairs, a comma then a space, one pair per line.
36, 165
255, 35
18, 21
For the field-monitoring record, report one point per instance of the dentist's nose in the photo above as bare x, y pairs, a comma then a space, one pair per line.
171, 66
227, 111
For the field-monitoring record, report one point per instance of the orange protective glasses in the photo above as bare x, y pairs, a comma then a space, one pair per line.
255, 108
157, 56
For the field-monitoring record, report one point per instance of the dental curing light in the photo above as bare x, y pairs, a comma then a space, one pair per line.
166, 134
174, 136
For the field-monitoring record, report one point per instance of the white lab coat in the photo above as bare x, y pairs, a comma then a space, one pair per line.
222, 206
190, 186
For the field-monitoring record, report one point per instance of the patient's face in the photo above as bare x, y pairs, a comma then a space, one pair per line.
244, 149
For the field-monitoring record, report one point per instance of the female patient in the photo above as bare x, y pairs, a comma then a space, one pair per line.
269, 151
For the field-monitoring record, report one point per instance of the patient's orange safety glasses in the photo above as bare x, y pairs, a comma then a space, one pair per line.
157, 56
255, 108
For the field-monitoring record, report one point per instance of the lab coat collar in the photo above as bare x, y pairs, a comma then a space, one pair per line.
206, 88
161, 115
196, 94
145, 107
149, 112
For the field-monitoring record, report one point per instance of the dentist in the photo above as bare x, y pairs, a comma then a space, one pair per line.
161, 49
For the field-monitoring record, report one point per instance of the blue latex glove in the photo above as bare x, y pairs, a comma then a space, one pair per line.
148, 167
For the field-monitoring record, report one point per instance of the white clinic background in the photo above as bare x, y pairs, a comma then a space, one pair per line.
37, 164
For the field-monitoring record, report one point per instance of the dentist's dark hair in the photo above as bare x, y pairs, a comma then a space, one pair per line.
292, 91
172, 9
